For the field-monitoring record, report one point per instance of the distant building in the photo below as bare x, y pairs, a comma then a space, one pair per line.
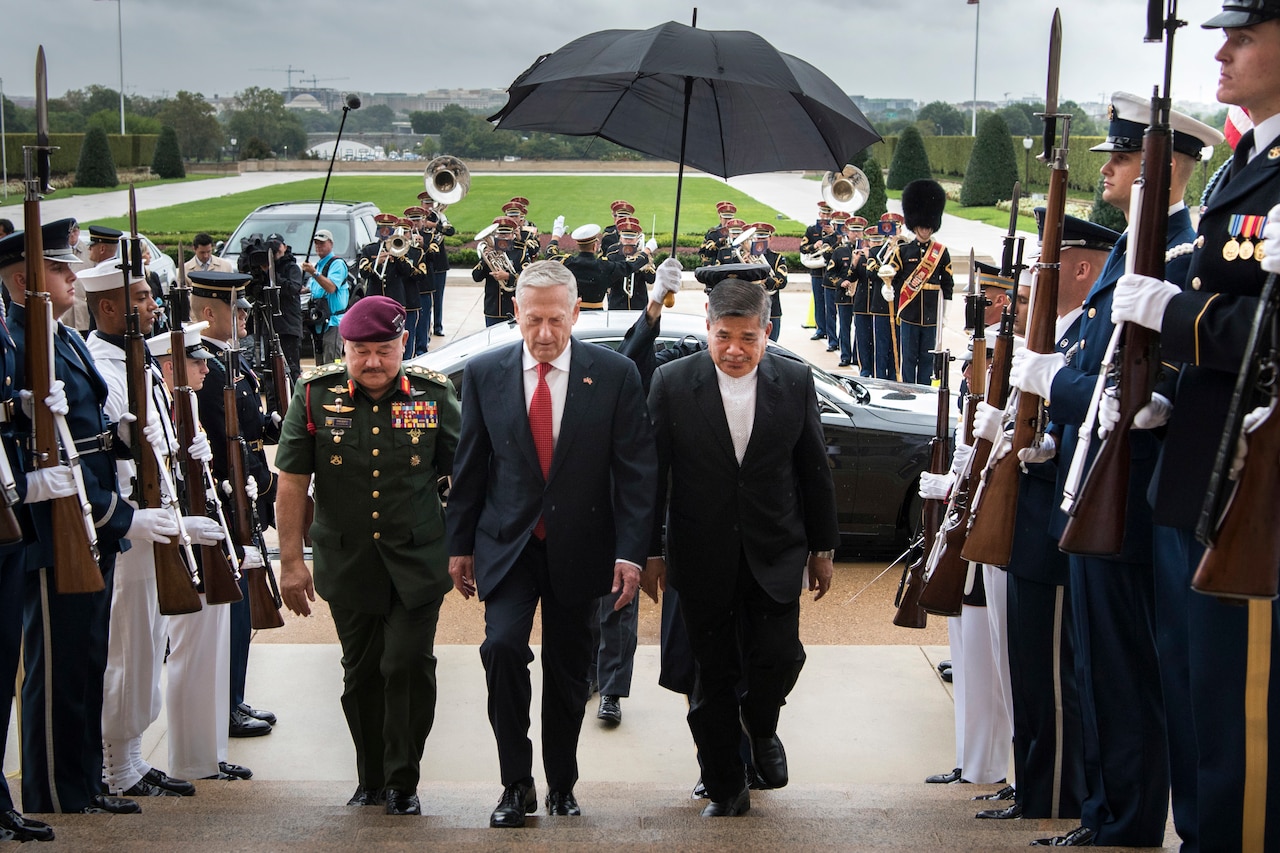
888, 108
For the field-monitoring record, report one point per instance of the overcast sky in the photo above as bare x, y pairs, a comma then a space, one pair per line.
921, 49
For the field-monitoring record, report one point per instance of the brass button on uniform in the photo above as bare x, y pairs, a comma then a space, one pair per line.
377, 473
376, 493
375, 409
1093, 312
375, 430
377, 536
1195, 283
337, 439
375, 514
375, 451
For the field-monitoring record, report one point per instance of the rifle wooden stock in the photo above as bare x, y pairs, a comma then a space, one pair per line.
1097, 526
220, 586
1245, 561
264, 613
932, 515
241, 519
909, 613
75, 564
174, 588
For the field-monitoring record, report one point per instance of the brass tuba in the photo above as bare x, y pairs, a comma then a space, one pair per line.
447, 178
846, 190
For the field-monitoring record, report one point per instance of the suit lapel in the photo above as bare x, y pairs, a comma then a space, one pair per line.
768, 389
578, 398
706, 390
511, 393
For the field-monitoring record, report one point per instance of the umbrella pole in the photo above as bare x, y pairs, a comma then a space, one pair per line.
684, 138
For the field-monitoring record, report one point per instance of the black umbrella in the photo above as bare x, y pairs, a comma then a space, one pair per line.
726, 102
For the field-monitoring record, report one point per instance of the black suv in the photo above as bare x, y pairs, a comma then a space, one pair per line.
351, 223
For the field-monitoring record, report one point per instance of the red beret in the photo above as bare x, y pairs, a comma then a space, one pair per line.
373, 319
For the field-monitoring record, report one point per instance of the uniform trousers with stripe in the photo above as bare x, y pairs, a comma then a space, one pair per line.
198, 691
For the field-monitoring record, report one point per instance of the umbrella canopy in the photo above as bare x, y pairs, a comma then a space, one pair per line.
751, 108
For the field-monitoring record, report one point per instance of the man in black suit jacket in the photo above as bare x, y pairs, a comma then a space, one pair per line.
750, 506
565, 530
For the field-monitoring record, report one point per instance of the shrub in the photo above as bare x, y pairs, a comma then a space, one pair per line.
96, 168
167, 162
993, 168
910, 160
877, 201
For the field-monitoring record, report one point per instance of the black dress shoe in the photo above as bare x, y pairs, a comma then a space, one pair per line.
562, 804
770, 761
817, 336
945, 778
946, 675
160, 779
107, 804
1081, 836
243, 725
943, 666
844, 363
1005, 793
15, 827
266, 716
517, 801
439, 333
402, 802
144, 788
699, 791
367, 797
832, 348
235, 770
610, 709
1013, 812
739, 805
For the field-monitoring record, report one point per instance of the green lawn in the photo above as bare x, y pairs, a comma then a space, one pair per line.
580, 199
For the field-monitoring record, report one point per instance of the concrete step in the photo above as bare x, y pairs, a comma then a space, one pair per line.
268, 816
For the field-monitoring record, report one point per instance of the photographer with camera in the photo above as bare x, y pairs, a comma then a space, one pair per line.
330, 293
288, 322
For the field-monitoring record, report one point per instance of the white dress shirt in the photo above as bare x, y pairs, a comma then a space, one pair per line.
738, 395
557, 383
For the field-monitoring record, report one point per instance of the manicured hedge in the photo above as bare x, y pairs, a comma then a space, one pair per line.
130, 151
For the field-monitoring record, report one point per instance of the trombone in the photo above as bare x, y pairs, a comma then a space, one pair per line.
395, 246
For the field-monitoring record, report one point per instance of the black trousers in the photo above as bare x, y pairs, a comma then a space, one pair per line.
62, 692
566, 655
12, 575
388, 689
750, 640
291, 347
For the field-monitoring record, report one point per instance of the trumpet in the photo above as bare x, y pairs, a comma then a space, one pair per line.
395, 246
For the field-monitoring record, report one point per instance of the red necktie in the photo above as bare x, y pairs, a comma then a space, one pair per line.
540, 426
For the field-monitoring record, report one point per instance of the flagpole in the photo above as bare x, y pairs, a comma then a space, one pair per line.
977, 15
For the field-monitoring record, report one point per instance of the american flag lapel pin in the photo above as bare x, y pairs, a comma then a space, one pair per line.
586, 380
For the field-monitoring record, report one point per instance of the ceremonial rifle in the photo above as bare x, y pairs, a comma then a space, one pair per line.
176, 576
75, 541
220, 577
990, 538
1096, 512
1239, 523
264, 599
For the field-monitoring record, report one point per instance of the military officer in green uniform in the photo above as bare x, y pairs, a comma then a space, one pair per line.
375, 437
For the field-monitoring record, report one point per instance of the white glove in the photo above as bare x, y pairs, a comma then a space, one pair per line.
46, 484
1047, 450
152, 525
651, 246
666, 281
1250, 423
252, 558
987, 422
1033, 372
276, 419
1141, 299
56, 402
936, 487
557, 230
202, 530
960, 459
886, 292
1154, 414
1271, 233
251, 488
200, 449
153, 432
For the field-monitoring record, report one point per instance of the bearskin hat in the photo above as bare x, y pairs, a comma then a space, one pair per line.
923, 203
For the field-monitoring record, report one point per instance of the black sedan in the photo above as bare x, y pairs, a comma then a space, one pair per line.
877, 432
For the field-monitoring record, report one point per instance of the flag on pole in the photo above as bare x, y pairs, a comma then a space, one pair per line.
1234, 127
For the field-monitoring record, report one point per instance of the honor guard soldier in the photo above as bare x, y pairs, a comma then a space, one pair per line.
65, 635
380, 556
1126, 688
923, 271
213, 296
500, 263
632, 292
104, 244
381, 272
139, 632
621, 210
816, 247
717, 238
594, 275
1229, 646
847, 270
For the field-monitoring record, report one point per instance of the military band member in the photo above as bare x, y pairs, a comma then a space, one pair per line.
819, 240
526, 231
381, 272
212, 298
197, 697
501, 260
595, 275
65, 636
434, 229
419, 281
717, 238
848, 268
631, 293
758, 249
872, 339
621, 209
923, 270
1122, 684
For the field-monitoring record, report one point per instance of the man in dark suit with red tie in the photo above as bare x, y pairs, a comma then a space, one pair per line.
552, 502
750, 507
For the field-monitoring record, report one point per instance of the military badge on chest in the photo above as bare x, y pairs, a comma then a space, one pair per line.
1244, 231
